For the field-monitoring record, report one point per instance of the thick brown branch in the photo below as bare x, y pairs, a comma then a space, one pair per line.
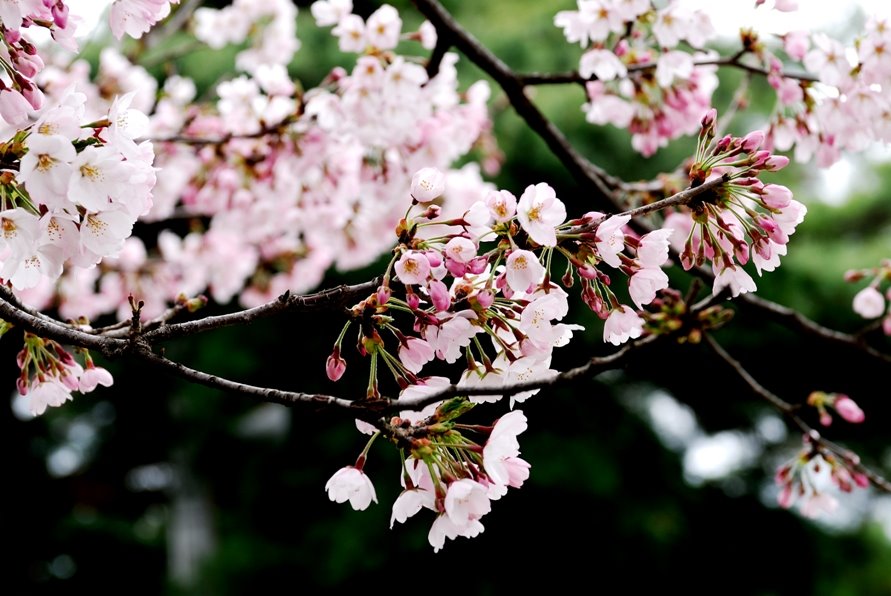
48, 328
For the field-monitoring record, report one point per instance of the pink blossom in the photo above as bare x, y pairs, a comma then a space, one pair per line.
443, 527
330, 12
603, 107
540, 212
409, 502
621, 325
776, 196
135, 17
383, 27
427, 184
450, 337
796, 44
522, 270
460, 249
502, 205
652, 250
93, 376
412, 268
673, 65
736, 279
351, 484
415, 353
645, 284
47, 393
602, 64
526, 370
350, 32
502, 444
869, 303
466, 502
611, 240
14, 107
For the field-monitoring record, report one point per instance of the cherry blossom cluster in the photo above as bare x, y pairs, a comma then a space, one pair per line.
484, 273
446, 471
741, 219
269, 25
806, 478
20, 60
869, 302
846, 108
50, 373
638, 76
291, 184
76, 192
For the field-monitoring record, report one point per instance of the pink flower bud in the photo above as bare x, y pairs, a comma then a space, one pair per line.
775, 163
752, 141
860, 480
383, 294
848, 409
709, 119
60, 15
434, 258
852, 275
335, 366
587, 272
456, 268
439, 295
775, 196
477, 265
413, 300
485, 298
825, 418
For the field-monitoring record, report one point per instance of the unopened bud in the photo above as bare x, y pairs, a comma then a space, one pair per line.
848, 409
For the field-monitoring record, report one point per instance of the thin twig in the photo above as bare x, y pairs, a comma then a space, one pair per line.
734, 61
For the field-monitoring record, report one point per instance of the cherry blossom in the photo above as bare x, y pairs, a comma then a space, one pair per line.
351, 484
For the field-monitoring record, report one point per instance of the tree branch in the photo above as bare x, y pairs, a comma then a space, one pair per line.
789, 410
286, 398
594, 365
734, 61
448, 30
330, 299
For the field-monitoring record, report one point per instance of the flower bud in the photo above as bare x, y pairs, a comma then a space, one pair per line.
335, 366
848, 409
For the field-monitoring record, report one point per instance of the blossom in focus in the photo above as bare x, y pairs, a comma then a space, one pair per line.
351, 484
